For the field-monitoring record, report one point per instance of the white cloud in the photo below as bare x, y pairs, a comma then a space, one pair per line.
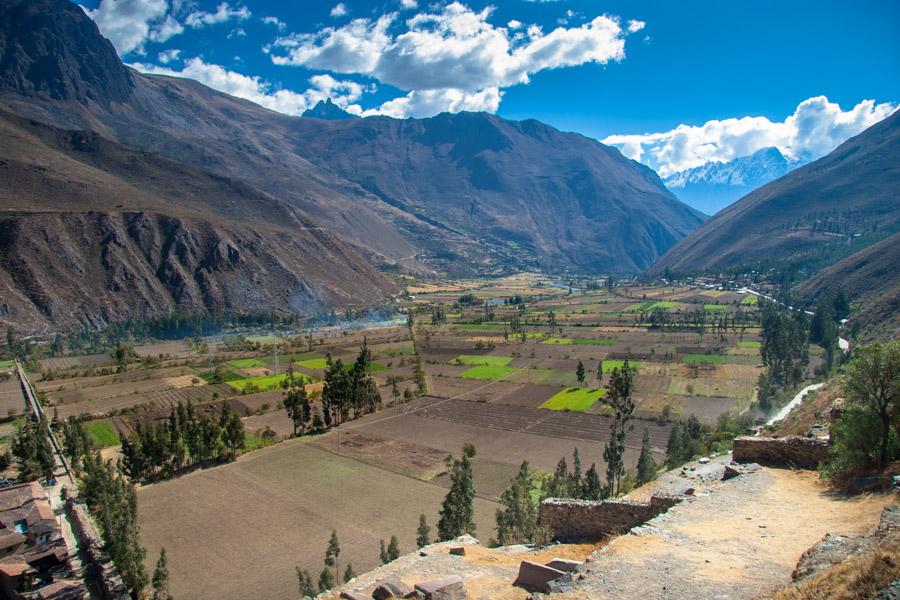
256, 89
224, 12
168, 56
514, 24
425, 103
816, 127
408, 4
129, 24
239, 32
454, 54
339, 10
278, 23
634, 26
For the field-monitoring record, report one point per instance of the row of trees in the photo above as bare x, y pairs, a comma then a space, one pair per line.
162, 449
691, 438
785, 351
32, 451
113, 502
349, 394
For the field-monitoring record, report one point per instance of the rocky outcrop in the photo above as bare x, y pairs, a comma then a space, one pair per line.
585, 520
793, 451
44, 55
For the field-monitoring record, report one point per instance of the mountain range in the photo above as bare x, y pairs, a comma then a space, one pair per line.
126, 194
808, 219
712, 186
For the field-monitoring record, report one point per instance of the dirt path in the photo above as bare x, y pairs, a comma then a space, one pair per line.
735, 539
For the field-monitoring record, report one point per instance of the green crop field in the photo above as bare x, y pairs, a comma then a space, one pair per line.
703, 359
663, 304
102, 434
318, 362
750, 300
487, 360
574, 399
209, 376
639, 307
247, 363
6, 364
609, 365
581, 341
482, 326
750, 343
714, 307
264, 383
487, 372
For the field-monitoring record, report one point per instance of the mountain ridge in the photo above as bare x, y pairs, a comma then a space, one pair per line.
807, 219
712, 186
459, 194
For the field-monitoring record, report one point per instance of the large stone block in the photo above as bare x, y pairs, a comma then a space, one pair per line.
537, 577
355, 596
391, 588
447, 588
564, 564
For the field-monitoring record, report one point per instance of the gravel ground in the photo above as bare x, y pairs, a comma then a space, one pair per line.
736, 539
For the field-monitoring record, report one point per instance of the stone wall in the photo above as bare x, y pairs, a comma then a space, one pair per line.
795, 451
584, 520
100, 567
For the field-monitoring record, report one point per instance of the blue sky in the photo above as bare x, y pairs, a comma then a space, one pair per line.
707, 80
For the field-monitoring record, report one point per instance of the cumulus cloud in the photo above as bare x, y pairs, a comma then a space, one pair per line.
168, 56
634, 26
816, 127
278, 23
421, 103
339, 10
256, 89
224, 12
408, 4
129, 24
449, 57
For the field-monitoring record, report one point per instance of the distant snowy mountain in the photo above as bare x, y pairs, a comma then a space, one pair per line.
711, 187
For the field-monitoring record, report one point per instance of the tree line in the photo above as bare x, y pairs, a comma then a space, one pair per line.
160, 450
785, 352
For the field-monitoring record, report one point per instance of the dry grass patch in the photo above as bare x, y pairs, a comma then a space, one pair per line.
857, 577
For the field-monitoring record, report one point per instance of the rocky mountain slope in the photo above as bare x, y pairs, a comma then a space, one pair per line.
711, 187
869, 277
461, 193
808, 219
92, 232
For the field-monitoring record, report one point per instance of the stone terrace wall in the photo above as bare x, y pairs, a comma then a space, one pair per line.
99, 564
798, 451
584, 520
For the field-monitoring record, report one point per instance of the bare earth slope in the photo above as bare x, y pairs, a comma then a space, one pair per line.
467, 192
820, 211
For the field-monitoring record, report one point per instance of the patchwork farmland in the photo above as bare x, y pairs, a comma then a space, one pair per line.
500, 361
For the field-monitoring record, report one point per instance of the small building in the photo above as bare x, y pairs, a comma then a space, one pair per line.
33, 553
